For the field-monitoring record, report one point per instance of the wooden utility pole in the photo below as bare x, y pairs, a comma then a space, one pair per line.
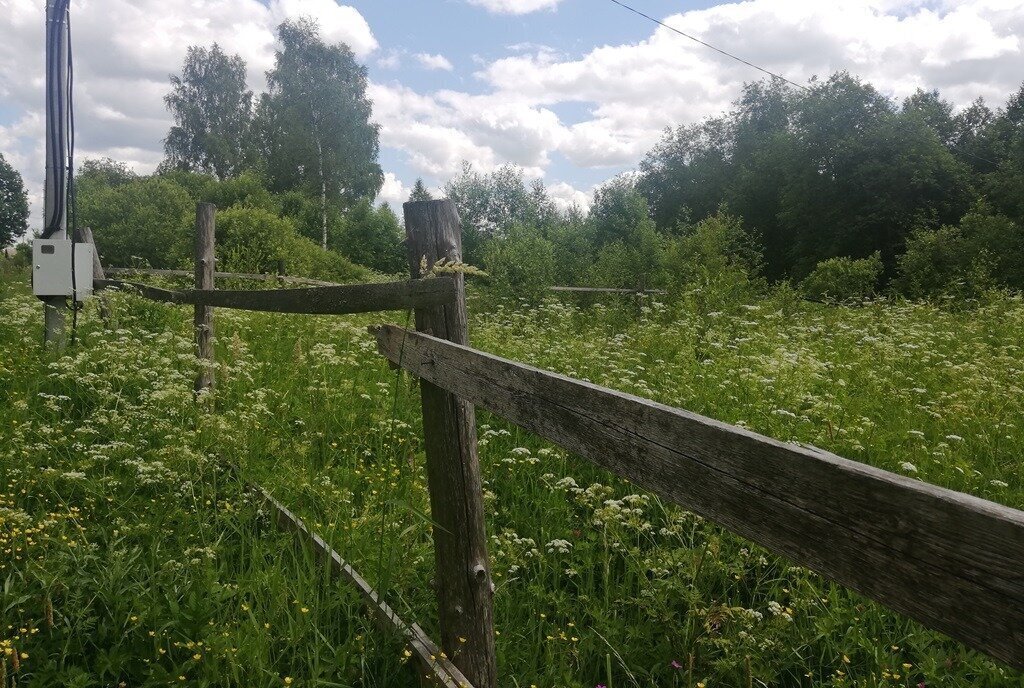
205, 226
465, 591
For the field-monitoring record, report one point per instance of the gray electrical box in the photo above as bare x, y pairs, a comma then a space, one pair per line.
51, 269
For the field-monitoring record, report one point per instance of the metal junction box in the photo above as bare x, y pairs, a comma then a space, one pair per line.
51, 269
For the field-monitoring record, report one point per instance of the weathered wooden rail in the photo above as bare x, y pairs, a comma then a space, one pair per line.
949, 560
606, 290
335, 300
437, 669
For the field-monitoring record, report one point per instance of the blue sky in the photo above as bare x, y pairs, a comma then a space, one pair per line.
571, 91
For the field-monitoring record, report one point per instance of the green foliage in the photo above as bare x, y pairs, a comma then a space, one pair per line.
305, 258
835, 171
844, 279
212, 110
716, 259
419, 192
13, 204
522, 266
373, 237
985, 250
251, 239
490, 205
148, 219
313, 125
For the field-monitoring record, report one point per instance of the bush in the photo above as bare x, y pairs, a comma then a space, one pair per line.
305, 258
717, 258
251, 239
148, 220
985, 250
637, 262
844, 279
522, 265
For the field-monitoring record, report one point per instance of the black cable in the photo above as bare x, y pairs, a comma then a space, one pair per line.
73, 207
766, 71
708, 45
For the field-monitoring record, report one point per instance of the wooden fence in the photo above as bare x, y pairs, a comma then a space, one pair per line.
951, 561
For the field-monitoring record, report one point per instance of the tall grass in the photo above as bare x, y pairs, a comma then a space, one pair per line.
142, 543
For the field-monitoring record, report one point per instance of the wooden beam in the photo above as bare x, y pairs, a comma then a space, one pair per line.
152, 293
464, 587
348, 298
440, 670
607, 290
949, 560
337, 300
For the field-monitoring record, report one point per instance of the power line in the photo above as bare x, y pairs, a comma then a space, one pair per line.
762, 69
708, 45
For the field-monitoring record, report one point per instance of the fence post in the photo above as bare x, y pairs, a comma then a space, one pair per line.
205, 224
464, 588
84, 235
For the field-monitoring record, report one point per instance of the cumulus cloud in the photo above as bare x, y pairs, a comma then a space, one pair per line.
393, 192
438, 61
515, 6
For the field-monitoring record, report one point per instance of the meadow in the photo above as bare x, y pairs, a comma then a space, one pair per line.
134, 556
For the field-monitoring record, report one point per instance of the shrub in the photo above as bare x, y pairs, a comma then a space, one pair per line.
147, 219
985, 250
522, 265
251, 239
717, 258
305, 258
844, 279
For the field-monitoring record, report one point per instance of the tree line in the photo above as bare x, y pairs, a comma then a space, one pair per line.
837, 189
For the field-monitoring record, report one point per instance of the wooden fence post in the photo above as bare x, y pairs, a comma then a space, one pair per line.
465, 591
205, 224
84, 235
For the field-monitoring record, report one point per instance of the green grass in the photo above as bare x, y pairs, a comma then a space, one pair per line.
133, 539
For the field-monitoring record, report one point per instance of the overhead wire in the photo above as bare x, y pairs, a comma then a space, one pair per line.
760, 68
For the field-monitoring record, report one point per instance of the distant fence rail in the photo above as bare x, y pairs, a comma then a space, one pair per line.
607, 290
949, 560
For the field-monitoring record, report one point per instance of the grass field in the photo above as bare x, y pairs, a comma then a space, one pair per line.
132, 557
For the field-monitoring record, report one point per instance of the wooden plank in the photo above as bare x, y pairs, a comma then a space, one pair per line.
336, 300
203, 318
441, 671
152, 293
949, 560
608, 290
348, 298
464, 588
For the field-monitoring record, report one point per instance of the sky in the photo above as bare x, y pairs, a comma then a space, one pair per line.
572, 91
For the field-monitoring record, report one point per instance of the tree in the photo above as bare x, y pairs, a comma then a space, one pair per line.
419, 192
373, 237
314, 122
212, 111
13, 204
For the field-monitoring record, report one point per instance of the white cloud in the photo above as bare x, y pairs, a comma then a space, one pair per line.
536, 106
566, 196
515, 6
124, 52
432, 62
393, 192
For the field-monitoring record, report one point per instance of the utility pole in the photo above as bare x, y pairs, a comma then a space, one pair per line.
58, 103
